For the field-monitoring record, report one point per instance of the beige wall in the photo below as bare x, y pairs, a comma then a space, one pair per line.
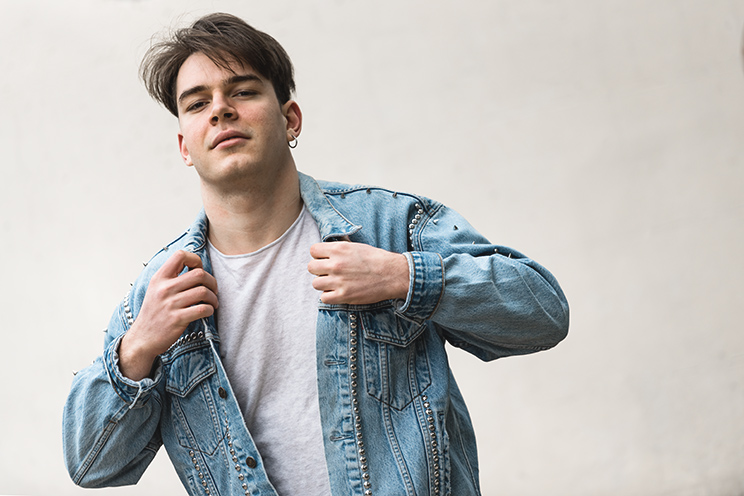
603, 138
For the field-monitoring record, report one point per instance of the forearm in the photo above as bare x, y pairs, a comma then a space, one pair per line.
517, 305
488, 299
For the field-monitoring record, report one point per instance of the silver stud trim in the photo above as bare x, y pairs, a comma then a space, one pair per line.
127, 309
353, 358
232, 451
433, 435
199, 473
187, 338
414, 221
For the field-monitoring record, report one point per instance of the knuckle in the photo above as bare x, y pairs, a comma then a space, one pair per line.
207, 311
179, 256
203, 292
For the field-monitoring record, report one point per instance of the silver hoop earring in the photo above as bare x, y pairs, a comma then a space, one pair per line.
293, 143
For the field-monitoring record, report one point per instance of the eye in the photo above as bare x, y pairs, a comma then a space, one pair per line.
245, 93
198, 105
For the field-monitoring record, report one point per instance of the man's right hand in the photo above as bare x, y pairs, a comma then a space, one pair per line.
173, 300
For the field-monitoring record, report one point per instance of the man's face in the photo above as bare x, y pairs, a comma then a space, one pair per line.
231, 123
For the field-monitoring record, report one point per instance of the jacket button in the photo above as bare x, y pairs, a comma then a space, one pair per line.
222, 392
251, 462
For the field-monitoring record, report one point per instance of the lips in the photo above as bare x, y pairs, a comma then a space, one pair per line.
228, 138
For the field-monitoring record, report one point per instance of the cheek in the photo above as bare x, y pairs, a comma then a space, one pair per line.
191, 135
269, 117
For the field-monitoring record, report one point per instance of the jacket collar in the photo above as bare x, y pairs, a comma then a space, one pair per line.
196, 239
331, 223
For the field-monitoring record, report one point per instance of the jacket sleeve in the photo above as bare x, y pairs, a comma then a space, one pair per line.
489, 300
110, 423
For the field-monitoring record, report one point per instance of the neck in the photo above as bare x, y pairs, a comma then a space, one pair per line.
246, 219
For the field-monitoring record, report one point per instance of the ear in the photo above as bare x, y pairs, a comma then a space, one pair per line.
185, 155
293, 114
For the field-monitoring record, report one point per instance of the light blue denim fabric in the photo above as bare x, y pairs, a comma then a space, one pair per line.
394, 421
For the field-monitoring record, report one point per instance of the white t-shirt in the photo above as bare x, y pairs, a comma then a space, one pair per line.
266, 321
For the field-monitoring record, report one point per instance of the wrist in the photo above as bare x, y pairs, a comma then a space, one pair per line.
402, 277
135, 360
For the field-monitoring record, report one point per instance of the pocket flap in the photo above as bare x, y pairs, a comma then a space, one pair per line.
188, 369
386, 326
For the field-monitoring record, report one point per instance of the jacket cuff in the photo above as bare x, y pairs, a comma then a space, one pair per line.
133, 393
425, 285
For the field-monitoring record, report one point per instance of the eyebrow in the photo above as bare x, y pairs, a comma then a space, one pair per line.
237, 78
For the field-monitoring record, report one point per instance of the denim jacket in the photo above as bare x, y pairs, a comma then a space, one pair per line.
393, 419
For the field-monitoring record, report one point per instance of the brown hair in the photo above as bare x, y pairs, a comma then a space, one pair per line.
226, 40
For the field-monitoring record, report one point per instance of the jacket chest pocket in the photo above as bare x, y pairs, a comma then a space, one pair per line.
396, 362
195, 411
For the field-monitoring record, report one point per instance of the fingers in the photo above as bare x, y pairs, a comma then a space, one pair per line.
331, 258
194, 278
333, 298
319, 251
178, 261
317, 268
175, 281
195, 296
329, 248
323, 283
196, 312
175, 298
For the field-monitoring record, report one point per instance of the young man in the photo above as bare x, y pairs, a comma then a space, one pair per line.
291, 341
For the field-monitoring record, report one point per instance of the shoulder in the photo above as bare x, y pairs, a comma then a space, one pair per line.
371, 196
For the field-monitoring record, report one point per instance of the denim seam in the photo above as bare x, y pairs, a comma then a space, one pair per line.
395, 447
100, 443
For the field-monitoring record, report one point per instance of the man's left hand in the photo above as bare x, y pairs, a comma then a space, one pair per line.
357, 274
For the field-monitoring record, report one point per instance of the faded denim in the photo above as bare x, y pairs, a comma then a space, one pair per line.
394, 421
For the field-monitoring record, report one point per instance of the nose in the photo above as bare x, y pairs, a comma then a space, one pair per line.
222, 109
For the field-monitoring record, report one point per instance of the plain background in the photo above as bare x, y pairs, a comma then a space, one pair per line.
605, 139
